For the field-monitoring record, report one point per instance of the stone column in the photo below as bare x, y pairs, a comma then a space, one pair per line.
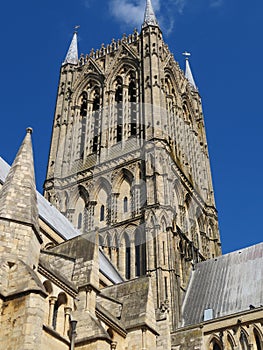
133, 258
68, 311
144, 338
52, 301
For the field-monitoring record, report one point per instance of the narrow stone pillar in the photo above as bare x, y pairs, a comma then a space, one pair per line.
133, 259
67, 311
52, 301
144, 338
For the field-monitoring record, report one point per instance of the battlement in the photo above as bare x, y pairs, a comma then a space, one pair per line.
110, 48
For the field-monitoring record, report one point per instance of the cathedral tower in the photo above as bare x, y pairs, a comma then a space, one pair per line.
129, 155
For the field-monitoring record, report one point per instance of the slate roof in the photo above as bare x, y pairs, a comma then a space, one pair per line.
135, 296
228, 284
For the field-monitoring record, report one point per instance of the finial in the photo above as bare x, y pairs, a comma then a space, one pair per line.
186, 55
29, 130
76, 28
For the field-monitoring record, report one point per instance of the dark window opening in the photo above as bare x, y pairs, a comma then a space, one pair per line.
102, 213
55, 315
258, 342
244, 341
166, 288
83, 114
133, 106
140, 254
128, 263
125, 205
80, 221
127, 257
119, 100
216, 347
95, 109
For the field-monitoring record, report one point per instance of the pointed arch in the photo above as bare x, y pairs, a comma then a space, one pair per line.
102, 197
48, 287
215, 344
231, 344
126, 241
258, 338
123, 174
58, 313
243, 339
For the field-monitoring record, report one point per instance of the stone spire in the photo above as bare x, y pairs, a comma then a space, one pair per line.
72, 54
18, 197
188, 72
149, 15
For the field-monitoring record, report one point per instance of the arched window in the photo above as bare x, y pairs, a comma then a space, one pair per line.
61, 300
83, 114
230, 344
119, 107
125, 204
127, 257
133, 106
215, 345
96, 114
243, 341
140, 254
48, 287
102, 213
258, 340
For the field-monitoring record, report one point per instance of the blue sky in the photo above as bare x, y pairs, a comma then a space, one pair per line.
225, 39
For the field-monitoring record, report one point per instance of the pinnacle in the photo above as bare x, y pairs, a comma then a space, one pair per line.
72, 54
188, 71
18, 198
149, 16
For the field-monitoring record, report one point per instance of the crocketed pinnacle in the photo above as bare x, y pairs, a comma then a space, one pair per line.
72, 54
18, 197
149, 16
188, 71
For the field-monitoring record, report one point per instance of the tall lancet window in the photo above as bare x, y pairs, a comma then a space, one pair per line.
119, 108
133, 107
96, 114
83, 116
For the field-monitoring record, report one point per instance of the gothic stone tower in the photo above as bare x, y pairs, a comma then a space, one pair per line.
129, 156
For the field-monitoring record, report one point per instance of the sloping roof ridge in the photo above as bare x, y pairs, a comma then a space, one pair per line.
112, 318
136, 279
64, 256
230, 254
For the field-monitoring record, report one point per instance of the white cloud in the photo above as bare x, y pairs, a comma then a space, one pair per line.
180, 5
130, 12
216, 3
